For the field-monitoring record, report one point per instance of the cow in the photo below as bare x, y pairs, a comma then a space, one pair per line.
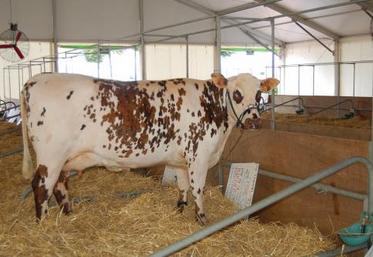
74, 122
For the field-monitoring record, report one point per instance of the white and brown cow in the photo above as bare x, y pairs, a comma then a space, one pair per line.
74, 122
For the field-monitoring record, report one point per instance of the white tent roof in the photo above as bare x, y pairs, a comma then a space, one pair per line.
92, 20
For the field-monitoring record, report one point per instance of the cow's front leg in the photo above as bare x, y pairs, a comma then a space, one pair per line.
42, 185
61, 194
183, 184
197, 178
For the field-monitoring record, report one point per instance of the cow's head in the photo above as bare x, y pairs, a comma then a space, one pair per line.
244, 95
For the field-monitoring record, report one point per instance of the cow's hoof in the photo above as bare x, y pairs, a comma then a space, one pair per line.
180, 205
67, 209
201, 218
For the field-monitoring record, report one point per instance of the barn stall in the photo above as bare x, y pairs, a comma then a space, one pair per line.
319, 116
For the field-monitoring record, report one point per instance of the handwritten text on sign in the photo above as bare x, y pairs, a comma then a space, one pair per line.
241, 183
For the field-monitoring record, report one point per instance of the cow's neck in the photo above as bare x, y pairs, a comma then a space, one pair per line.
232, 118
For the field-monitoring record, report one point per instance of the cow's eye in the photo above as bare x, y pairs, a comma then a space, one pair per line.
237, 97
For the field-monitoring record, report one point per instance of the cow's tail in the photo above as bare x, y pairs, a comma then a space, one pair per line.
27, 165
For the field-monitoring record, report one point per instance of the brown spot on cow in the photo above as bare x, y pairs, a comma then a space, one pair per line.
60, 193
69, 95
40, 122
38, 186
82, 127
43, 112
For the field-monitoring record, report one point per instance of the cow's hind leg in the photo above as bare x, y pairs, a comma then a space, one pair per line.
61, 194
42, 184
197, 177
183, 184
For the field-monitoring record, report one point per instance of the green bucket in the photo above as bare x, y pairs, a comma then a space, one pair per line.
353, 236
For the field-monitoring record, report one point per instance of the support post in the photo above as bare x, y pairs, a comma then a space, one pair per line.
337, 71
98, 59
370, 150
142, 40
313, 80
10, 85
135, 53
353, 80
55, 44
273, 120
217, 63
111, 66
19, 82
4, 83
187, 56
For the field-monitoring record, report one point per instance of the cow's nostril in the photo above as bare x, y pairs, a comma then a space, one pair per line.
255, 116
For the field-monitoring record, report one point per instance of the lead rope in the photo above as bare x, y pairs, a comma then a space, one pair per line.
239, 121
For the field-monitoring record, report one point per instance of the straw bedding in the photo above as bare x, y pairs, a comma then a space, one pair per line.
124, 214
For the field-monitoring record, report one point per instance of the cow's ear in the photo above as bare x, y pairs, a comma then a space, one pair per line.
268, 84
219, 80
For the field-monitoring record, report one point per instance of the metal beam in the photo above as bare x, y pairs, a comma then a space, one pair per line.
310, 18
311, 35
249, 32
299, 18
245, 7
368, 6
265, 19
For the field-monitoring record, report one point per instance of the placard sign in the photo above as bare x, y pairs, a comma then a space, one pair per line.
241, 183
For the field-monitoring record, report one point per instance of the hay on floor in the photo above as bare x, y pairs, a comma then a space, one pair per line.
124, 214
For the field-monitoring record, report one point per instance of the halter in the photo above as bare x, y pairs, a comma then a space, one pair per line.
239, 119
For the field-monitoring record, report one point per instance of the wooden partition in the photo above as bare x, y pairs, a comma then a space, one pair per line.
301, 155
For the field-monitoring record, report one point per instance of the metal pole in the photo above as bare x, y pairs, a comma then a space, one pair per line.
10, 85
187, 56
66, 62
318, 186
22, 76
337, 71
4, 83
273, 113
45, 70
221, 177
98, 59
313, 80
135, 53
19, 82
142, 40
197, 236
298, 80
111, 67
30, 70
353, 79
217, 64
55, 42
280, 74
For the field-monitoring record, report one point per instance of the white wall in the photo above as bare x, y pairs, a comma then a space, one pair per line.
352, 49
357, 49
302, 53
169, 61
